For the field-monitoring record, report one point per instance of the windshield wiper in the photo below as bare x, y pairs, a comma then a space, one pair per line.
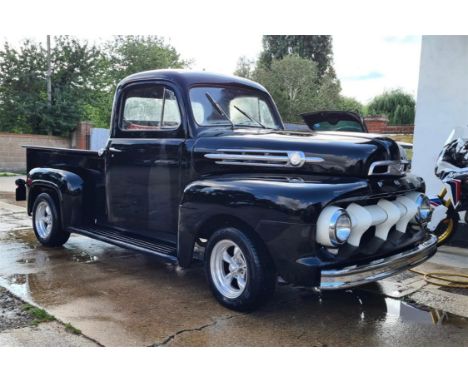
219, 109
250, 117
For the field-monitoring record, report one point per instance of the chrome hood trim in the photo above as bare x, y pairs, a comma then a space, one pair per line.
262, 158
389, 167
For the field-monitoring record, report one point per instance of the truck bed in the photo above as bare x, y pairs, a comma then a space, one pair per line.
62, 158
87, 164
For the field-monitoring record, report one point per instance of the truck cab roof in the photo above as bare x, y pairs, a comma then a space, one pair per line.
189, 78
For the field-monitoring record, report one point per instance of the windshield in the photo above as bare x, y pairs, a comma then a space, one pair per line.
341, 125
458, 132
238, 103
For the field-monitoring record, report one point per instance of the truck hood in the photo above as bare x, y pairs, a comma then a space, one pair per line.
252, 150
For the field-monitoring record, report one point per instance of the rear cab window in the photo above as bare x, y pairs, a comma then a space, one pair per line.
150, 108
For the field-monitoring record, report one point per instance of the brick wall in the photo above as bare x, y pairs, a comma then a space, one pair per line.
400, 129
378, 124
13, 156
81, 136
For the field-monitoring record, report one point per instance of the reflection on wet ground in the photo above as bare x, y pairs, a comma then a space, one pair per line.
122, 298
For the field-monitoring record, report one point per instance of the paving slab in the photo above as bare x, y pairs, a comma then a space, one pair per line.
13, 217
7, 183
43, 335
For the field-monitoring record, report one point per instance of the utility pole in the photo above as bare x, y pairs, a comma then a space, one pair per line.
49, 81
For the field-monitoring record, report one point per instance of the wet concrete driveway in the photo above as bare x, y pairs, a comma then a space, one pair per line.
120, 298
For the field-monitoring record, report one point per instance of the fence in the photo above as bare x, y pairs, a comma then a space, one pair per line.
13, 155
378, 124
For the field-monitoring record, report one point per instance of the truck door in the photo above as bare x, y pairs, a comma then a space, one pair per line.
143, 161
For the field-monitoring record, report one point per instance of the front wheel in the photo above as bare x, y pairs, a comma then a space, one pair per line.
46, 222
446, 228
240, 273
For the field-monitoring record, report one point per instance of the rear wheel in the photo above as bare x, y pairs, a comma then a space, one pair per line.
46, 222
240, 273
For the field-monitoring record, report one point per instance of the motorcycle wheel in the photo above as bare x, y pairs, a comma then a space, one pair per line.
446, 228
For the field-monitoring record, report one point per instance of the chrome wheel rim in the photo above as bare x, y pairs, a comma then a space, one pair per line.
228, 269
43, 220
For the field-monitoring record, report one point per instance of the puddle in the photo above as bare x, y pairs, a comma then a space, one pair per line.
408, 312
17, 240
83, 257
18, 284
373, 307
26, 261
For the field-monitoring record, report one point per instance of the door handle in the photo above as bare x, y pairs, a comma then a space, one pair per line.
114, 150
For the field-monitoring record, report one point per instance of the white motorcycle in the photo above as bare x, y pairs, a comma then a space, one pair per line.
452, 169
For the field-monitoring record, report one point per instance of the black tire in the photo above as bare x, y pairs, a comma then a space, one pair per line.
57, 236
261, 276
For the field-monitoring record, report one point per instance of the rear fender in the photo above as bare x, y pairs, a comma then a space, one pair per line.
67, 188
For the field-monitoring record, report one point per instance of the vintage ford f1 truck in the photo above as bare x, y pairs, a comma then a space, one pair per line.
202, 160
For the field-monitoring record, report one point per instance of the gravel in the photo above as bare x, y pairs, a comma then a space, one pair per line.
12, 314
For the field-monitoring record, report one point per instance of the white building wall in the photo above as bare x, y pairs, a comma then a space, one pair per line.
442, 101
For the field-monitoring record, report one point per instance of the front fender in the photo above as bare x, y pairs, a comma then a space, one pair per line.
68, 187
290, 205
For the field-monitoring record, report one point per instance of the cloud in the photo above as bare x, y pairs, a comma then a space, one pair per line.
398, 64
372, 75
409, 39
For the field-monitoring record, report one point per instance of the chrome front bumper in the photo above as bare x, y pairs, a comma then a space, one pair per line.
378, 269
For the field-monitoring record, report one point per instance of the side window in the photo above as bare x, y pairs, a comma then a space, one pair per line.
150, 108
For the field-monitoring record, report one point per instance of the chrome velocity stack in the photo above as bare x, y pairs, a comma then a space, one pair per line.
413, 207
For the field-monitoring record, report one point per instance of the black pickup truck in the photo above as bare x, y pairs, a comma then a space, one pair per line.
197, 160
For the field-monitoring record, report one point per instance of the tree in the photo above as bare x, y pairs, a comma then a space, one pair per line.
244, 67
126, 55
298, 72
398, 106
296, 88
23, 92
84, 77
294, 84
350, 104
132, 54
79, 80
291, 82
317, 48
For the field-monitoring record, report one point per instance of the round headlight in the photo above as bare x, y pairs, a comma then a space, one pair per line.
424, 209
340, 227
333, 227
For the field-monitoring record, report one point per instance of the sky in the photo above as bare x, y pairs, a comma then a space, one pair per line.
366, 65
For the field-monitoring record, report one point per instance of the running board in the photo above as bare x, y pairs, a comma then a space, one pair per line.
165, 251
